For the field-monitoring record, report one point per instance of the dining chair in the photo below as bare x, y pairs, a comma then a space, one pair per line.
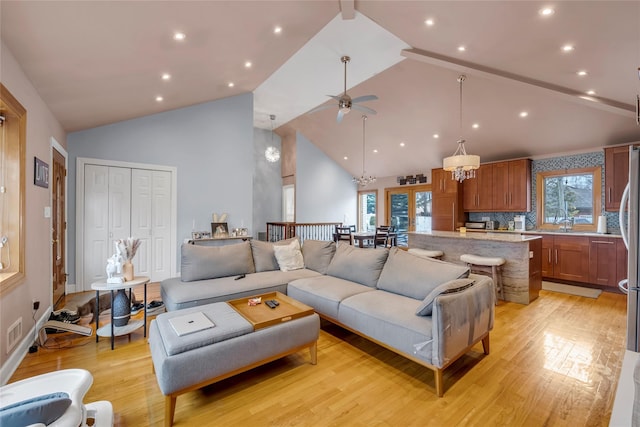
382, 236
344, 233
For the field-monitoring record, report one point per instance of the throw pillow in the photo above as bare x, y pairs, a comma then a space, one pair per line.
318, 254
358, 265
42, 409
264, 258
289, 256
210, 262
458, 285
414, 277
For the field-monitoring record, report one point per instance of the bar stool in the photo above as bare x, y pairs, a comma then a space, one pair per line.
490, 265
426, 253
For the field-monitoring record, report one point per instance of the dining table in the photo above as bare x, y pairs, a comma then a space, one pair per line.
368, 236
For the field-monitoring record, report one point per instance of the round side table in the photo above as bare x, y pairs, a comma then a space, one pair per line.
110, 330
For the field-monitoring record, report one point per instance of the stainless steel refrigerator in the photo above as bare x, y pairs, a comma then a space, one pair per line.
630, 231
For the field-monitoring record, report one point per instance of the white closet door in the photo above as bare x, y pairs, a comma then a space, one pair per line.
96, 223
161, 220
141, 226
119, 205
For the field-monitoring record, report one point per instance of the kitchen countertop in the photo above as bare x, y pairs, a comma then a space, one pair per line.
550, 232
511, 237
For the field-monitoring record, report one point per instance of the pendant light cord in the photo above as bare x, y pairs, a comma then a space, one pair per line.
364, 120
461, 78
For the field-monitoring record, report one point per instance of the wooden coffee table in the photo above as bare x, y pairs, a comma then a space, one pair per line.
262, 316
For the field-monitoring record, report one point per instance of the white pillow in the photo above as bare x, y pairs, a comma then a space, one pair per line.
289, 256
449, 287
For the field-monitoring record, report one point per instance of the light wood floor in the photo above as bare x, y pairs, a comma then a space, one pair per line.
554, 362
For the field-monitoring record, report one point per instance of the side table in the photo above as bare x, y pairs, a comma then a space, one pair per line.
110, 329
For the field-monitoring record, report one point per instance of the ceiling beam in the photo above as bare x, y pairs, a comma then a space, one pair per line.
500, 75
348, 9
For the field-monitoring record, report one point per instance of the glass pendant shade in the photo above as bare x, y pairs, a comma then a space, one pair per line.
272, 154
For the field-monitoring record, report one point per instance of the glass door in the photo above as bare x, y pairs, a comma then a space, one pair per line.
409, 209
367, 208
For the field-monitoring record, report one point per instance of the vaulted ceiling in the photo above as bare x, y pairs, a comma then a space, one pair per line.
99, 62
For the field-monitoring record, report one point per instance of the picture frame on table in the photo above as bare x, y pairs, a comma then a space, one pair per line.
219, 229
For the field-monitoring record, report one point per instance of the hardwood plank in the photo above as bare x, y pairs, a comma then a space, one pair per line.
554, 362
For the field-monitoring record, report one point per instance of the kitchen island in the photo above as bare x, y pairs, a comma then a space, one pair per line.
522, 272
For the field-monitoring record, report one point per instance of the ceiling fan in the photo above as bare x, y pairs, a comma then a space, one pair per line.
345, 103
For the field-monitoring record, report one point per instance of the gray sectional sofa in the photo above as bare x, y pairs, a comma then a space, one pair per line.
429, 311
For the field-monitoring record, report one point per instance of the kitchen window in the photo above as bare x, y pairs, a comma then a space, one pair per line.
569, 199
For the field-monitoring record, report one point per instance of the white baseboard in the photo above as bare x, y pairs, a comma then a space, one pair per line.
14, 360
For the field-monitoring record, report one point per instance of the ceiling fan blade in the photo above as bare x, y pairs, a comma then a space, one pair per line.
336, 97
363, 109
364, 98
340, 116
322, 107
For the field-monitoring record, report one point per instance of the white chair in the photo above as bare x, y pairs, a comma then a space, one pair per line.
490, 265
74, 382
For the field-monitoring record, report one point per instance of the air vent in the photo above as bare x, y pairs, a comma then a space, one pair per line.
14, 334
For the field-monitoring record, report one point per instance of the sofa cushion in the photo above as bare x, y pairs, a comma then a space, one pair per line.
264, 258
324, 293
43, 409
209, 262
449, 287
357, 264
289, 256
415, 277
318, 254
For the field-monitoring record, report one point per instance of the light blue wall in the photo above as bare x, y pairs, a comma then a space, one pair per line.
267, 182
210, 144
325, 192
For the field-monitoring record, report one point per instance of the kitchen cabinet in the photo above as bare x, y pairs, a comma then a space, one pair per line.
511, 186
616, 175
603, 261
477, 193
565, 258
447, 213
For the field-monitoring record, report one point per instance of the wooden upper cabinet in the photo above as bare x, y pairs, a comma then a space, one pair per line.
616, 175
447, 211
442, 183
478, 191
511, 186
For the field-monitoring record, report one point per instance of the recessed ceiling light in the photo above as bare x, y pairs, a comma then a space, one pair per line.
547, 11
567, 48
346, 158
436, 136
591, 92
475, 125
461, 48
277, 29
582, 73
523, 114
248, 64
230, 84
375, 150
402, 144
179, 36
166, 76
429, 22
159, 98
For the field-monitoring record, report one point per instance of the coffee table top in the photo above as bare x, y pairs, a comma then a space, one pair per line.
261, 316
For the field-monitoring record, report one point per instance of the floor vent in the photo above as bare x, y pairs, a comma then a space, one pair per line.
14, 334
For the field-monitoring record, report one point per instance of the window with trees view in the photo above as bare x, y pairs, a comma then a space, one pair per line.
569, 199
367, 203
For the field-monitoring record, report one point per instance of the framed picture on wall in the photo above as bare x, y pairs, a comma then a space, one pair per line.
219, 229
40, 173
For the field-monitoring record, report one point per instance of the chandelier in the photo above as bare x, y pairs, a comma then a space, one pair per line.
272, 154
364, 179
460, 164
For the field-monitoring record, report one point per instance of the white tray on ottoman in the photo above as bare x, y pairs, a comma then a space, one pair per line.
189, 362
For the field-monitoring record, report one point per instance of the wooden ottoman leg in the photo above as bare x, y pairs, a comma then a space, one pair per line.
485, 344
439, 382
169, 410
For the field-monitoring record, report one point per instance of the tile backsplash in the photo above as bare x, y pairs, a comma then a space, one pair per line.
564, 162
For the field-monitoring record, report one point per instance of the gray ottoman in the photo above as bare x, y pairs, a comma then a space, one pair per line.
189, 362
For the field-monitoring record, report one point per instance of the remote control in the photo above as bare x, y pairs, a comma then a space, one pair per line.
270, 303
276, 303
242, 276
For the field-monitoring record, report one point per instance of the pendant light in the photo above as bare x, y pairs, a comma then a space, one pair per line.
460, 164
272, 154
364, 180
